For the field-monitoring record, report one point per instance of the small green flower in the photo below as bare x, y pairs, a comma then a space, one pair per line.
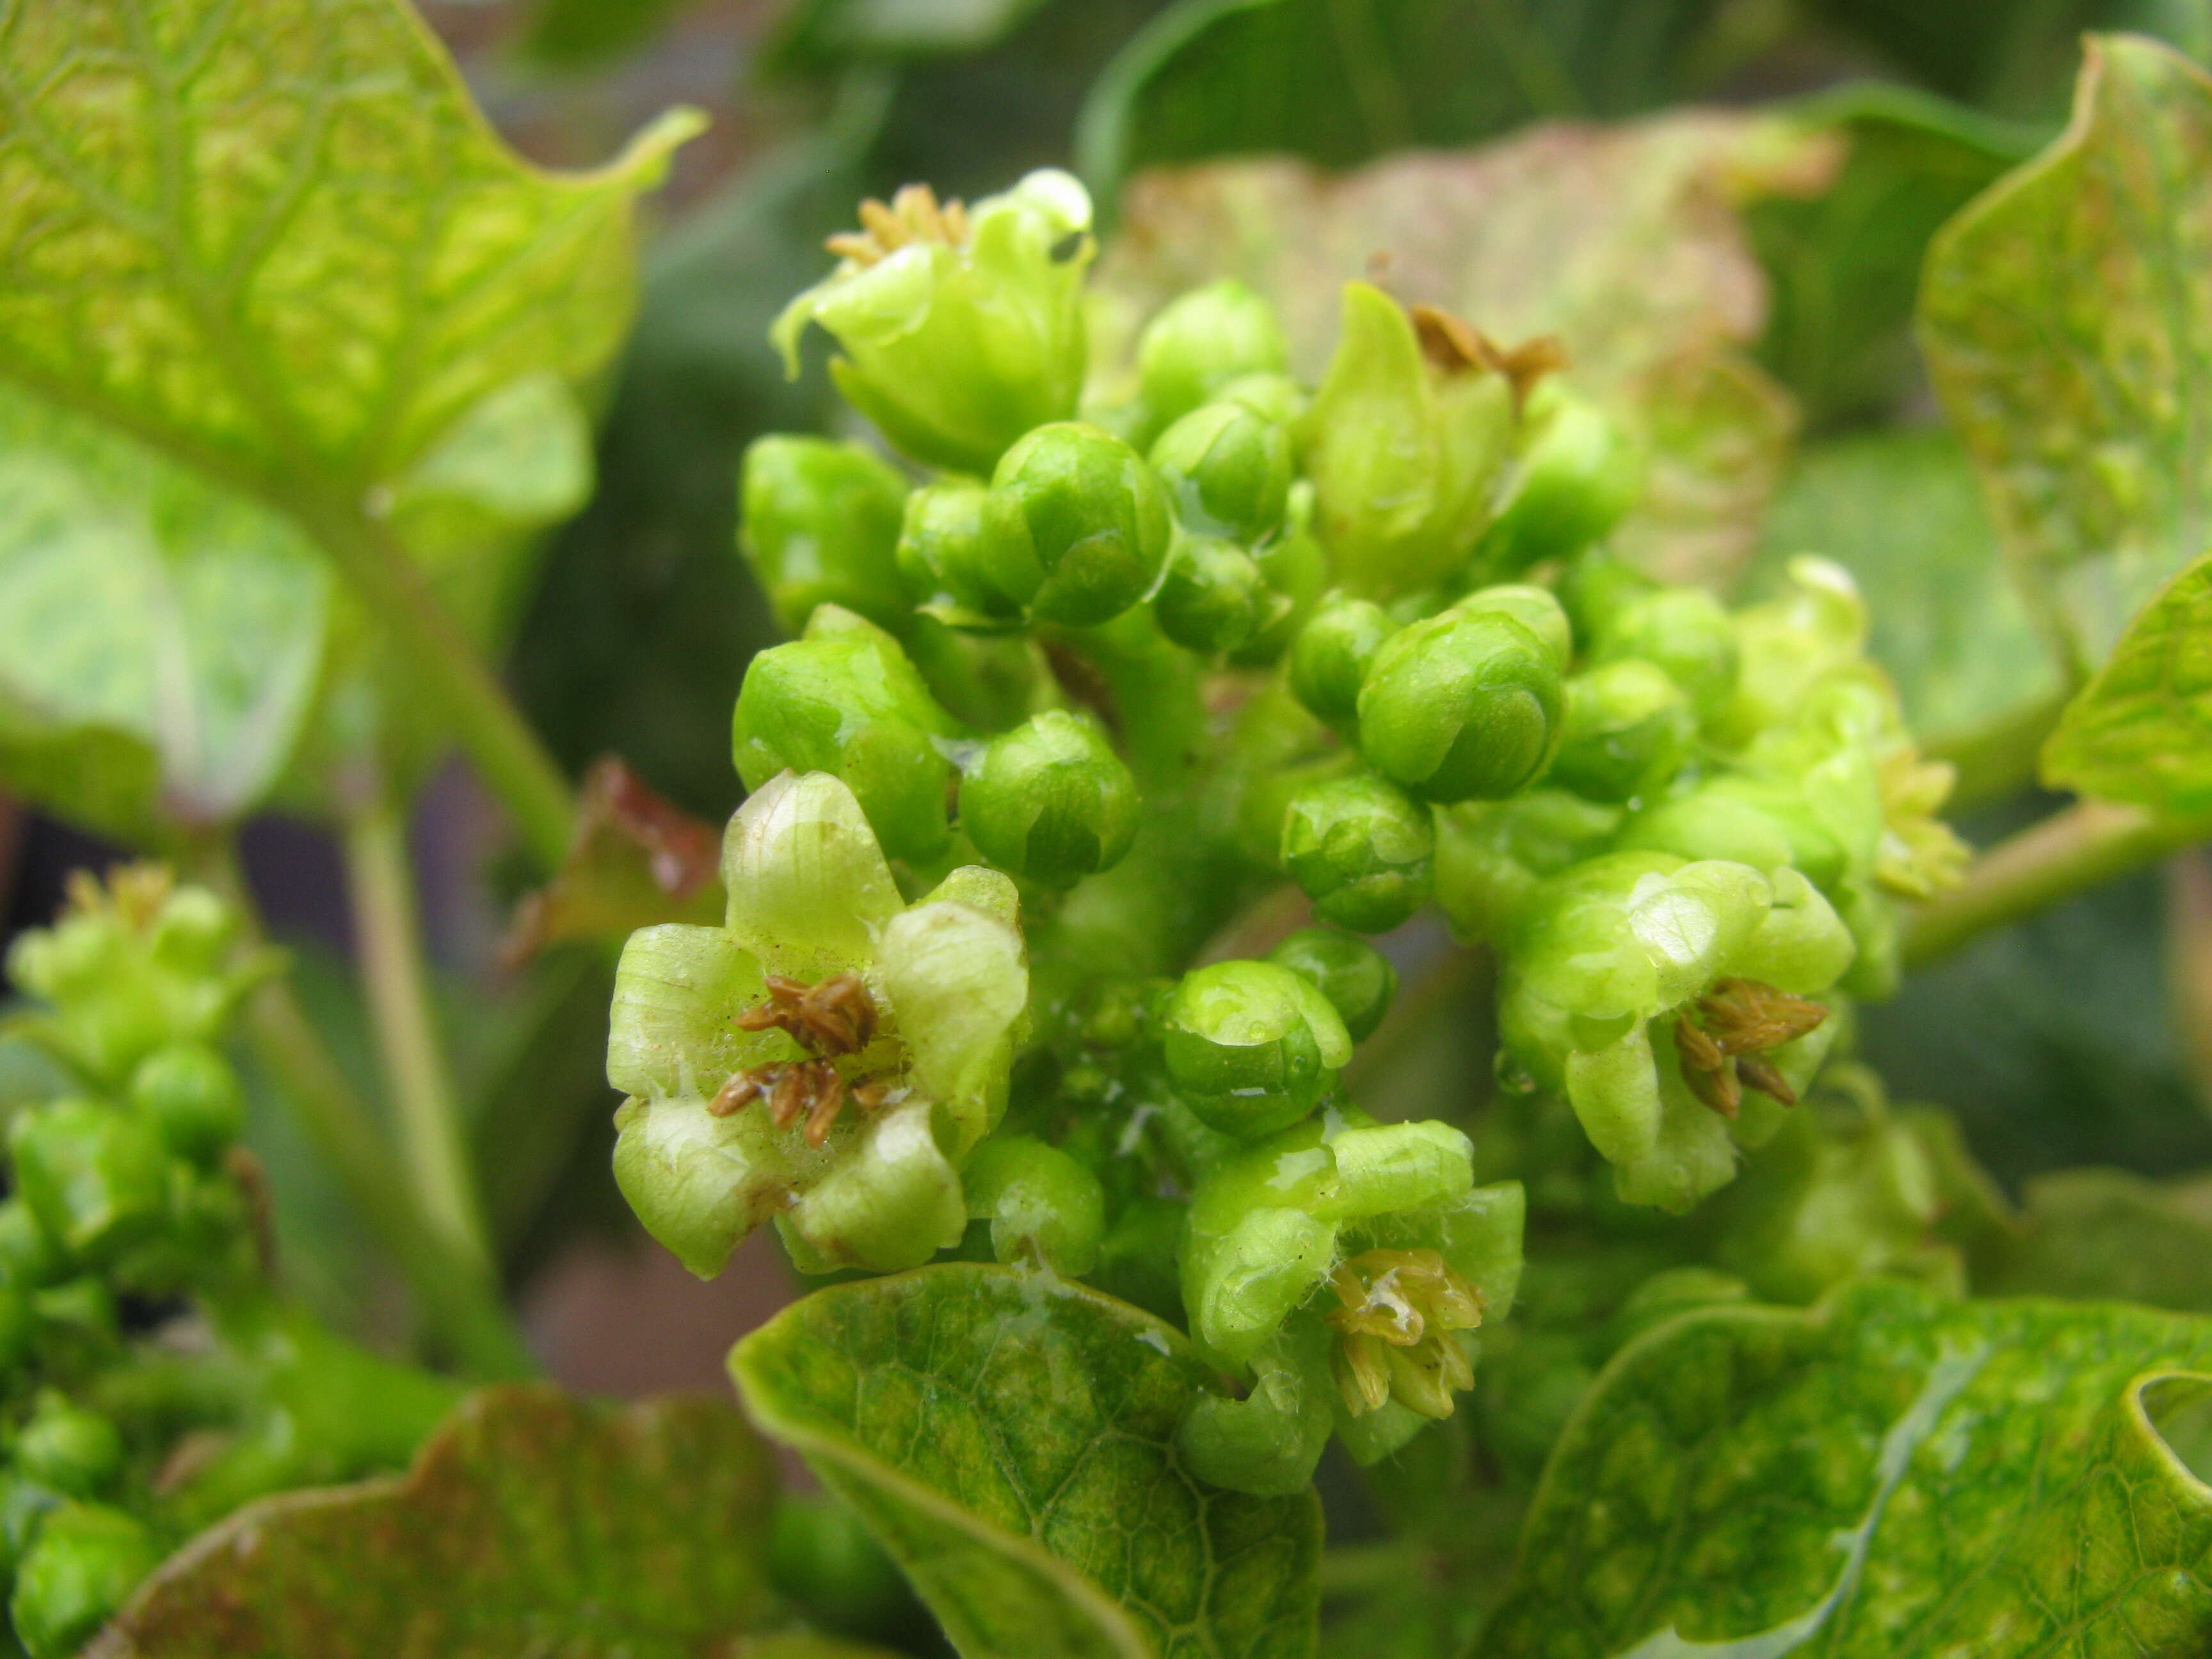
829, 1056
819, 522
1650, 993
1404, 443
961, 329
1200, 344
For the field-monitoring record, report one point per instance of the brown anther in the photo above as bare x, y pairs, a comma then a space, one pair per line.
1746, 1016
915, 214
871, 1095
1455, 345
836, 1017
1398, 1309
1722, 1049
829, 1092
741, 1087
1758, 1074
788, 1097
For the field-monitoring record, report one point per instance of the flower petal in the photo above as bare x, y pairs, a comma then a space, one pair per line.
699, 1182
670, 1030
892, 1201
957, 983
807, 883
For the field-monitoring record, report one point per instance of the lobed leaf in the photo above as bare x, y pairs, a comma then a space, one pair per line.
1624, 242
2066, 322
2140, 730
1891, 1473
532, 1522
279, 245
160, 638
1009, 1438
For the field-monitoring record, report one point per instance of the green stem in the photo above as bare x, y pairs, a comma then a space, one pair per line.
462, 1308
2084, 845
432, 645
434, 1149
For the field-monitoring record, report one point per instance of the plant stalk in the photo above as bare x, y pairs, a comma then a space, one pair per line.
508, 755
395, 979
461, 1307
2079, 848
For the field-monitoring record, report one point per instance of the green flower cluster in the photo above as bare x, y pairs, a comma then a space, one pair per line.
148, 1381
1092, 669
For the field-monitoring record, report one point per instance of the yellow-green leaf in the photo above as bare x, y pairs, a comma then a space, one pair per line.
532, 1522
1893, 1474
1010, 1438
2140, 730
2066, 318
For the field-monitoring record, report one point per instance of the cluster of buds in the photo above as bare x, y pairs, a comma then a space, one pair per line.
1088, 664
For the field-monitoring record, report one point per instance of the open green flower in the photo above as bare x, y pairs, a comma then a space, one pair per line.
961, 328
1653, 993
828, 1056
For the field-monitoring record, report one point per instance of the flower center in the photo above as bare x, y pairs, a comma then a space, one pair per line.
914, 215
1397, 1311
1723, 1047
832, 1017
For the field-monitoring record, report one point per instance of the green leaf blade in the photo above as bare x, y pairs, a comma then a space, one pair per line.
2141, 730
532, 1521
2066, 322
1009, 1438
1890, 1473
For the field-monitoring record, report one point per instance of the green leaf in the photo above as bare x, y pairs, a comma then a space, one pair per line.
1009, 1438
532, 1521
1902, 511
2140, 730
1892, 1474
2066, 320
1343, 82
1551, 232
159, 639
280, 245
1845, 264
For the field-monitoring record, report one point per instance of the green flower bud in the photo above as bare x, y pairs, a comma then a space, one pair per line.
1814, 631
1332, 654
818, 522
1227, 469
1460, 708
1535, 608
96, 1178
1042, 1204
845, 700
1252, 1046
1361, 849
85, 1562
1269, 1441
1213, 596
1579, 476
1685, 632
1202, 341
1403, 442
1077, 526
942, 558
24, 1507
19, 1331
73, 1451
191, 1097
134, 962
1050, 799
1627, 731
822, 1555
1760, 822
29, 1257
961, 330
1358, 979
